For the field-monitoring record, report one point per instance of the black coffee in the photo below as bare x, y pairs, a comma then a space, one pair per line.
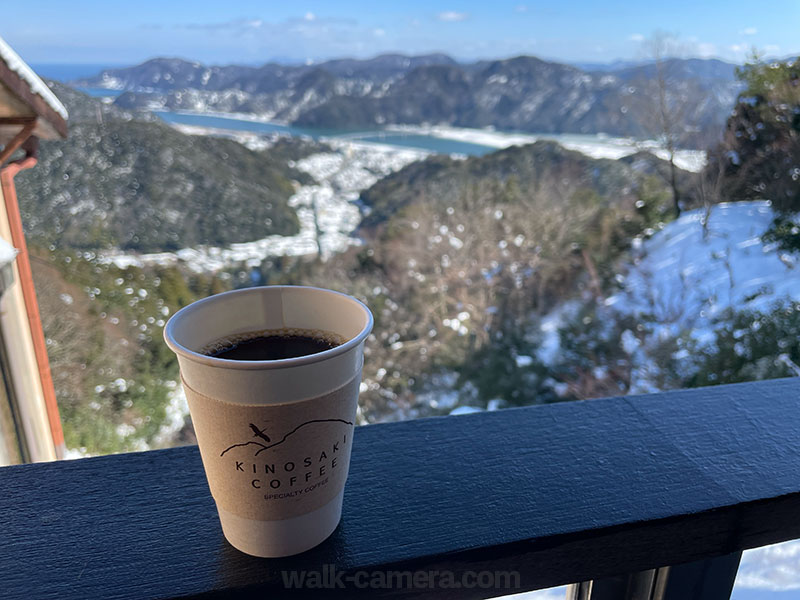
272, 346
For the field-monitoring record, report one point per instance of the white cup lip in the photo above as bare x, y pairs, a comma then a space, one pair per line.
284, 363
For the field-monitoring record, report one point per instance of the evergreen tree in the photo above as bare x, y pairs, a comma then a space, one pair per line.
751, 346
760, 155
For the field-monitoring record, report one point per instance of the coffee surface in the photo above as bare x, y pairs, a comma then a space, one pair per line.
272, 345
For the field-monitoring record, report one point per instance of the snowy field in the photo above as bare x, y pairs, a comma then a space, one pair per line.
595, 146
254, 141
687, 274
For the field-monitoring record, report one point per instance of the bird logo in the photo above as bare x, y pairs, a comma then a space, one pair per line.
259, 433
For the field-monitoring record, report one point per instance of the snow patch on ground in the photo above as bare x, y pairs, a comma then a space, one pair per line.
253, 141
683, 278
177, 410
549, 326
75, 453
686, 274
465, 410
594, 146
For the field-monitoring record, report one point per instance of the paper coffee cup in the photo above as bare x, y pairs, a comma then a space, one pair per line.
274, 435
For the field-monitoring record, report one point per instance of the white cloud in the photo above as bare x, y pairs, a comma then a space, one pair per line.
748, 31
378, 32
771, 568
452, 16
772, 48
310, 16
706, 49
636, 37
737, 47
237, 25
521, 8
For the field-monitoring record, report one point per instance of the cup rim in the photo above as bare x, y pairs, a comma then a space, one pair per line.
283, 363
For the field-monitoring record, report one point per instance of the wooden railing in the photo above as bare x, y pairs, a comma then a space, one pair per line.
482, 505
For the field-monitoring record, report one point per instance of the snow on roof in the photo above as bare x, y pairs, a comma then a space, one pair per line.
38, 87
7, 252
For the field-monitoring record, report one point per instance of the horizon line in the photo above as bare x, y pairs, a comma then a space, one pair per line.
321, 61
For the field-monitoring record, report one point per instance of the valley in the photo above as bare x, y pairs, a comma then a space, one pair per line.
503, 268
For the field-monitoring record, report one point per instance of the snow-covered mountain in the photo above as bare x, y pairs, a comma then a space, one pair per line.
521, 93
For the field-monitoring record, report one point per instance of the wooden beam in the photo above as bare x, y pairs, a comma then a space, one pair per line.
17, 141
559, 493
16, 120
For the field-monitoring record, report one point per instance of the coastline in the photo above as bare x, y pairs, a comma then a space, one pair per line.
598, 145
594, 145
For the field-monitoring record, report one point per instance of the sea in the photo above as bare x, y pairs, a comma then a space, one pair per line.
390, 138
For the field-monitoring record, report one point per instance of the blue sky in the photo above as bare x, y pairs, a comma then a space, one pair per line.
244, 31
